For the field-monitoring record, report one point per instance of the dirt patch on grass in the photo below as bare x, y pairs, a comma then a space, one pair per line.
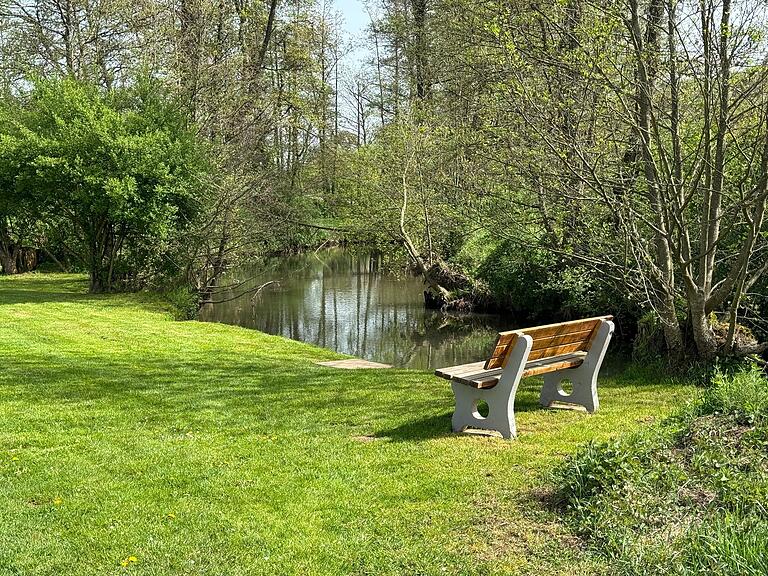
364, 438
524, 533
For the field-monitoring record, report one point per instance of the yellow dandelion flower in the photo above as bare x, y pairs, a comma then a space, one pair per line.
128, 561
57, 501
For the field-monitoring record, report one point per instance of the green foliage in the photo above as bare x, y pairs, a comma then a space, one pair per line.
535, 285
598, 465
120, 168
685, 497
521, 284
404, 173
474, 252
649, 343
743, 394
184, 302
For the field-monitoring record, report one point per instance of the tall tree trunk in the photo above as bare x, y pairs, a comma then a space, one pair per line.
190, 52
420, 48
267, 36
8, 250
646, 52
379, 76
703, 335
436, 295
8, 261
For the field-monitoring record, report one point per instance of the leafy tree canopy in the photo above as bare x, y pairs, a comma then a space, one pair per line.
120, 170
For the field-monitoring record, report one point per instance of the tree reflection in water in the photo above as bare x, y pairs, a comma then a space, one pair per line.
344, 301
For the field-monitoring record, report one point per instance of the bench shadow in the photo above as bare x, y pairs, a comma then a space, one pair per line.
427, 428
439, 426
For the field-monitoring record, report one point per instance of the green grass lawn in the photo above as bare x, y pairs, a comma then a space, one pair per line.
133, 443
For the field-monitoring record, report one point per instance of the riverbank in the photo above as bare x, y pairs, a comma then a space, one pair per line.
130, 442
351, 302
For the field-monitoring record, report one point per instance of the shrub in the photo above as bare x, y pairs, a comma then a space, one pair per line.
185, 302
649, 341
120, 169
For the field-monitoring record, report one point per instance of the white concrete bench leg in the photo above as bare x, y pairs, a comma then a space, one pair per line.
583, 378
500, 398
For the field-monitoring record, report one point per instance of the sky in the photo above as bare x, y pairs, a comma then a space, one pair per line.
355, 18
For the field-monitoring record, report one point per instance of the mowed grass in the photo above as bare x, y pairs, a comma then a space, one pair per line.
133, 443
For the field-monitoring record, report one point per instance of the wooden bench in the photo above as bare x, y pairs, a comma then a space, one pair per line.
567, 351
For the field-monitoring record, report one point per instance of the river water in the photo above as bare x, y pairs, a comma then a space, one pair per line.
346, 301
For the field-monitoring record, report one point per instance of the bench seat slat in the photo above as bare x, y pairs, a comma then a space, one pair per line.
474, 375
484, 379
554, 364
452, 371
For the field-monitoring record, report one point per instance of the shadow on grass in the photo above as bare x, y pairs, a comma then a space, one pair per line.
62, 288
192, 383
8, 297
192, 380
439, 426
236, 394
33, 288
427, 428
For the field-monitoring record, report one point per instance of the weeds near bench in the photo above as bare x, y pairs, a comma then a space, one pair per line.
685, 497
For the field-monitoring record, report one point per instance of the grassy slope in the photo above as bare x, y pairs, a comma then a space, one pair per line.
685, 497
208, 449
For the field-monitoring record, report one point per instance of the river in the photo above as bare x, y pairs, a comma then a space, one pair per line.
345, 301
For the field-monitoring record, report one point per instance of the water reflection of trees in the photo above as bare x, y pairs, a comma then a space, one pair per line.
341, 301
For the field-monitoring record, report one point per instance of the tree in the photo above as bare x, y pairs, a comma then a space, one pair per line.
628, 139
120, 167
18, 220
665, 162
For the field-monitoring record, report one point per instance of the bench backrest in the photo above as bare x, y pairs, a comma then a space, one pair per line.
548, 341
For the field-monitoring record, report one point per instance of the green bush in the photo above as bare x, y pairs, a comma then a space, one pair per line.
535, 285
185, 302
688, 496
119, 171
648, 344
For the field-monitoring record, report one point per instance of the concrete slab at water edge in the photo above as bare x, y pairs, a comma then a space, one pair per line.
353, 364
